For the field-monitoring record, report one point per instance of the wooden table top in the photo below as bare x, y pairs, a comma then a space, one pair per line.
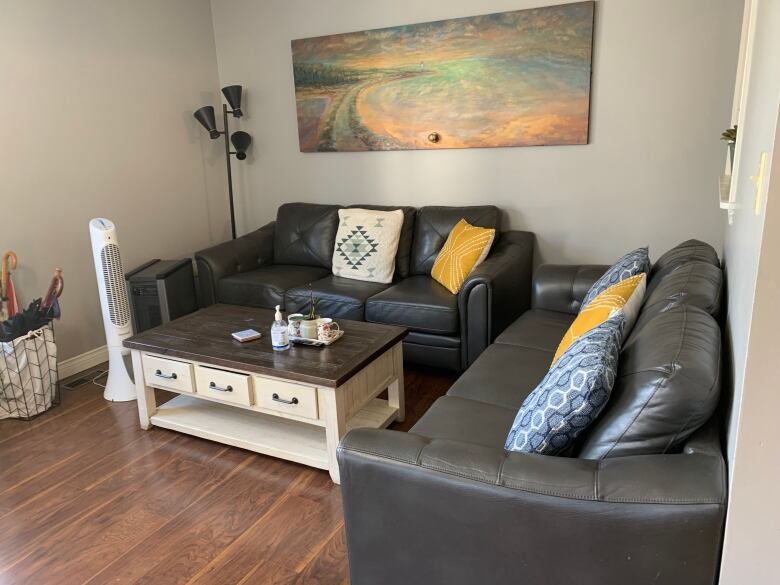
204, 336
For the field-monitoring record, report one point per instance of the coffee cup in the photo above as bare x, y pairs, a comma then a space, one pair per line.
294, 324
327, 329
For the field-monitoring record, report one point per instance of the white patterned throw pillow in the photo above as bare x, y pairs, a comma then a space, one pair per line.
366, 244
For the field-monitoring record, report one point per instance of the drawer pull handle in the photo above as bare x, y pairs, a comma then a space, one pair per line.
276, 398
213, 386
159, 374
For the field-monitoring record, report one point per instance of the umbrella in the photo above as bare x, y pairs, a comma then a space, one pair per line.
8, 303
39, 313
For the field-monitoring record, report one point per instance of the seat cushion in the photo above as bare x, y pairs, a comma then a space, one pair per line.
338, 297
459, 419
305, 234
405, 241
418, 303
265, 286
503, 375
693, 283
668, 385
433, 225
538, 329
688, 251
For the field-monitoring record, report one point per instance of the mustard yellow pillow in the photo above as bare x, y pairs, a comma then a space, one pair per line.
624, 296
465, 249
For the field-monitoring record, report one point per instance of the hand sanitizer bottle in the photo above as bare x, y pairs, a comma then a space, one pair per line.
280, 336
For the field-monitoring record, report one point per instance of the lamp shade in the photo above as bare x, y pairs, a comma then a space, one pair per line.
241, 141
232, 94
205, 116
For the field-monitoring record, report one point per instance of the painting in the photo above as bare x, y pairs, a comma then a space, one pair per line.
519, 78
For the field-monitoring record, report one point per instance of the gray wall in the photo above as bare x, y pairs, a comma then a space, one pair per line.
752, 260
97, 101
663, 76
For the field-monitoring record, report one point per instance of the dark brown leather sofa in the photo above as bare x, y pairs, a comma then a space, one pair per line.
638, 501
275, 265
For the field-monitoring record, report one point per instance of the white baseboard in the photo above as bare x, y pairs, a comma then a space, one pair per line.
85, 361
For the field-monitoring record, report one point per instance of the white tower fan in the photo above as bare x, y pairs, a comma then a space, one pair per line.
115, 306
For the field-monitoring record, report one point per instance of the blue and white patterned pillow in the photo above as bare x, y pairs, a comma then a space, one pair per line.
631, 264
571, 395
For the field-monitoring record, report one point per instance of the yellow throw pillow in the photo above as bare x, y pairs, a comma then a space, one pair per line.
624, 296
465, 249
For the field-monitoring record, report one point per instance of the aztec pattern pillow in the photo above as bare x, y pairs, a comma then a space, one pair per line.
366, 244
466, 247
626, 296
571, 395
631, 264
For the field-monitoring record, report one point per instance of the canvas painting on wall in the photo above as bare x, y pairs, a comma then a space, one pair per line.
518, 78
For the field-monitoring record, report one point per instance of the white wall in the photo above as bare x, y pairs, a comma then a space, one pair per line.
752, 258
663, 74
97, 101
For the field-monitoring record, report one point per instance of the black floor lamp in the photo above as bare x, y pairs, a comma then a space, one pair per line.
241, 140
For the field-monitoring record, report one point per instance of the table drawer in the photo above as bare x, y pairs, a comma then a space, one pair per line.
168, 374
223, 385
286, 397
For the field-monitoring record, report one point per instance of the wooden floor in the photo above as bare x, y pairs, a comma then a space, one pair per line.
86, 496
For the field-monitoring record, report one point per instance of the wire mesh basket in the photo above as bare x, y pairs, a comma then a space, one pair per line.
29, 381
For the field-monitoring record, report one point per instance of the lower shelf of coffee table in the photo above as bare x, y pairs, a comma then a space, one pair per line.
263, 433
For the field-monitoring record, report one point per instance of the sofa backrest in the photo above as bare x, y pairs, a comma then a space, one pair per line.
434, 224
404, 253
668, 379
305, 234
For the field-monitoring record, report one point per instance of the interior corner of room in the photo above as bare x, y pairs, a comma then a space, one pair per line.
211, 135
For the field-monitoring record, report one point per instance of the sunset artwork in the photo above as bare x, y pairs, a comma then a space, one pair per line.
518, 78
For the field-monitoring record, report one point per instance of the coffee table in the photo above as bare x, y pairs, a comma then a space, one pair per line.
295, 404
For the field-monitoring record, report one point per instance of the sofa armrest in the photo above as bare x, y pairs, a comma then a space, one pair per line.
496, 293
561, 287
438, 511
248, 252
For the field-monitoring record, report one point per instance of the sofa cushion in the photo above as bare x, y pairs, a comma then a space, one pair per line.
571, 395
688, 251
693, 283
537, 329
466, 247
367, 244
459, 419
668, 385
265, 286
624, 297
628, 265
407, 235
503, 375
418, 303
338, 297
305, 234
434, 224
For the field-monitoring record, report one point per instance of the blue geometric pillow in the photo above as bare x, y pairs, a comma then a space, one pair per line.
631, 264
571, 395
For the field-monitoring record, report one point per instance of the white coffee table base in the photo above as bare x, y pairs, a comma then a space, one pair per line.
310, 442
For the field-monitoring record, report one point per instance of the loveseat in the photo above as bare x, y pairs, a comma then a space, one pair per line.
275, 265
640, 499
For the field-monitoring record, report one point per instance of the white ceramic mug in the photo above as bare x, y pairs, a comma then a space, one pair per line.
294, 324
326, 329
309, 328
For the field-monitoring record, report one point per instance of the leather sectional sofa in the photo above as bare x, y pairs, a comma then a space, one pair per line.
444, 503
275, 264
